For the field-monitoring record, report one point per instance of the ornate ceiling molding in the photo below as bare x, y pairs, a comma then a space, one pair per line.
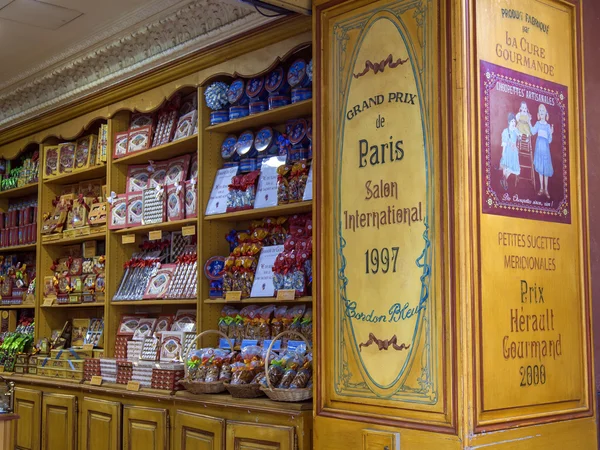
196, 25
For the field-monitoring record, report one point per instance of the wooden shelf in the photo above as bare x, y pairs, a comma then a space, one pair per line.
20, 191
166, 151
161, 302
18, 248
278, 115
77, 305
165, 226
27, 306
251, 300
79, 175
76, 239
281, 210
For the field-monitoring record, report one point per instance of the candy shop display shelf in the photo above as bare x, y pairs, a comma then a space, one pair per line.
278, 115
176, 225
161, 302
19, 248
281, 210
76, 239
20, 191
171, 150
80, 175
76, 305
27, 306
251, 300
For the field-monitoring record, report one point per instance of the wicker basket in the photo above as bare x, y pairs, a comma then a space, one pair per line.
201, 387
285, 395
244, 390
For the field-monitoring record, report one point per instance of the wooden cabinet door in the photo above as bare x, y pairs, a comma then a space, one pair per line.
145, 428
251, 436
59, 422
100, 425
198, 432
26, 431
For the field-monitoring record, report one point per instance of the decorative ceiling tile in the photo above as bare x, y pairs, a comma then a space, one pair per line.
197, 24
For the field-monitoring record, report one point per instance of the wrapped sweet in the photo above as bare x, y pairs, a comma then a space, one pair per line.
293, 323
228, 314
306, 325
303, 375
277, 321
264, 328
216, 99
283, 193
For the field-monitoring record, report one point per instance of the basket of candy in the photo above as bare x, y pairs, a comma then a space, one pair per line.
289, 377
207, 369
246, 371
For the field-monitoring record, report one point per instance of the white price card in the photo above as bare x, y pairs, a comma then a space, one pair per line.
263, 279
266, 192
308, 194
217, 203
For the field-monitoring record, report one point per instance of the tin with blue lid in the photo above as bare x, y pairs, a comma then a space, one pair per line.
248, 165
297, 133
230, 164
301, 94
219, 116
228, 148
297, 76
276, 82
255, 89
245, 145
258, 107
237, 93
277, 101
237, 112
266, 141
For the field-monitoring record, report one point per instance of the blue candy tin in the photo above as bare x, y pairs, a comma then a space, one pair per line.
248, 165
301, 94
297, 76
214, 268
277, 101
276, 82
220, 116
228, 148
258, 107
297, 153
237, 93
245, 145
230, 164
255, 89
266, 142
297, 134
237, 112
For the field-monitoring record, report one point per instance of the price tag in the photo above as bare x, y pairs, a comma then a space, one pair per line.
233, 296
133, 386
293, 345
188, 231
96, 381
155, 235
286, 294
217, 203
88, 346
263, 279
128, 239
248, 343
48, 301
223, 343
276, 345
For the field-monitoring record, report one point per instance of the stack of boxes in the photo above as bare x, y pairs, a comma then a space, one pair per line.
18, 225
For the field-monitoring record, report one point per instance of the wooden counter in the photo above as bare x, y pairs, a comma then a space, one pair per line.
62, 414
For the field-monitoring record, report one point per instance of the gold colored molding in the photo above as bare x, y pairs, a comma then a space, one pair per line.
208, 57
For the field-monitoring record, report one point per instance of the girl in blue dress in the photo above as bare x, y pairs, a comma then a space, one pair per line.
542, 161
509, 162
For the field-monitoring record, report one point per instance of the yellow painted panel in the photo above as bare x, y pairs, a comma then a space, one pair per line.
28, 405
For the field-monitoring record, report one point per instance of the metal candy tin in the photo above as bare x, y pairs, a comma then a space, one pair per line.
258, 107
228, 148
245, 145
301, 94
237, 93
265, 141
255, 88
230, 164
276, 82
220, 116
248, 165
237, 112
277, 101
214, 268
297, 76
297, 133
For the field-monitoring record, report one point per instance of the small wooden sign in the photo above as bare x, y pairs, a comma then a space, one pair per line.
88, 346
189, 230
233, 296
128, 239
96, 381
49, 301
133, 386
286, 294
155, 235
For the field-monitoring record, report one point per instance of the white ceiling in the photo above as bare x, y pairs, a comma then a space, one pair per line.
35, 35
